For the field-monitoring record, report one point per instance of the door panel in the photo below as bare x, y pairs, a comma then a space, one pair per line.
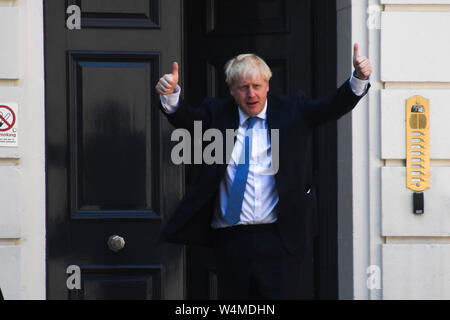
248, 17
113, 117
108, 171
119, 13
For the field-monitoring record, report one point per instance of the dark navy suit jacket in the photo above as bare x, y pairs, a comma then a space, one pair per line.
296, 117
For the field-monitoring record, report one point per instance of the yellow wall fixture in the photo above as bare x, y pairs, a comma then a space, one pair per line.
418, 147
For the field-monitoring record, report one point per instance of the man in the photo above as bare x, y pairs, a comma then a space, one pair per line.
259, 224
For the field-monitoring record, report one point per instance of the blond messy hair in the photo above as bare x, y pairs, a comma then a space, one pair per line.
244, 65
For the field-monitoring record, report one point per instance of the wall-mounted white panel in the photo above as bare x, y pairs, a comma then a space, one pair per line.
393, 136
10, 272
415, 46
416, 271
10, 210
429, 2
9, 43
397, 214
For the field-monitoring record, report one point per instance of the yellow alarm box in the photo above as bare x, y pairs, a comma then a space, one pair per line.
418, 143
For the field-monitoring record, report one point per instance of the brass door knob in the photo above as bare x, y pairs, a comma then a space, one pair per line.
116, 243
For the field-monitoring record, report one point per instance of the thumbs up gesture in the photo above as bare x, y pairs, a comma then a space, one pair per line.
363, 68
168, 82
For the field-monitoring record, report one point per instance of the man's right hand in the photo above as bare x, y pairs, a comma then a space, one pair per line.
168, 83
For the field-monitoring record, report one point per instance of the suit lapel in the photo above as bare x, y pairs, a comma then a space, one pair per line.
231, 116
274, 115
230, 120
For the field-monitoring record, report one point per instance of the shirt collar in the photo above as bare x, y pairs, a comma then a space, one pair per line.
243, 116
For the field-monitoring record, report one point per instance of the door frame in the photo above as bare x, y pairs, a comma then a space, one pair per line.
324, 50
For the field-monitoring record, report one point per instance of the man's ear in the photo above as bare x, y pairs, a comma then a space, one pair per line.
229, 89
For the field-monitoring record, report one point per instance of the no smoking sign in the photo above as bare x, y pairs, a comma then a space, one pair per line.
8, 125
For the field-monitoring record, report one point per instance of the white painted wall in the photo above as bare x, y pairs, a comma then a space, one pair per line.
22, 169
393, 131
415, 256
358, 159
427, 262
409, 52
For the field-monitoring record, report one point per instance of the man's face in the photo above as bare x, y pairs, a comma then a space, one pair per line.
250, 94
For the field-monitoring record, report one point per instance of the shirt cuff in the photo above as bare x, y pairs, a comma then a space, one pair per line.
358, 86
171, 101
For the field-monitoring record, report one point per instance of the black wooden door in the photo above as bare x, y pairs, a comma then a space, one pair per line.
293, 36
108, 166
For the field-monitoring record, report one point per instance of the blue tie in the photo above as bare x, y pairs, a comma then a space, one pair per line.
234, 205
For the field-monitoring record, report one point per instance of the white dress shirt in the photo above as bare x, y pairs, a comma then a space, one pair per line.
260, 197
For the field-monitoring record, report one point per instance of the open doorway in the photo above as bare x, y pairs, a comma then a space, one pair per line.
298, 41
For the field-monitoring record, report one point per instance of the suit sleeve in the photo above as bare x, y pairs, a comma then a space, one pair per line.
331, 107
185, 115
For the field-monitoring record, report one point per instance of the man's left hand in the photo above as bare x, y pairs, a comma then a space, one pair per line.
363, 68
